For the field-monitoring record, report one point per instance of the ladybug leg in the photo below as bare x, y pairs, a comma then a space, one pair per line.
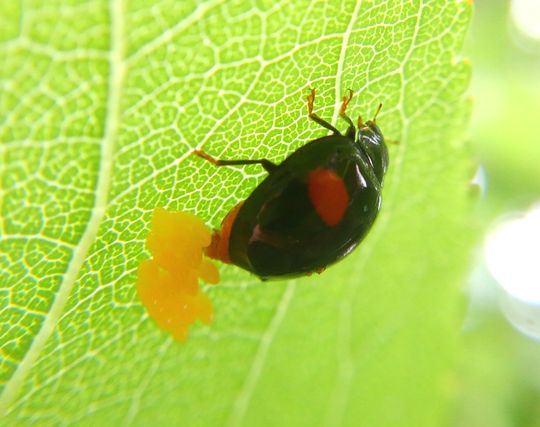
315, 117
376, 113
351, 131
266, 164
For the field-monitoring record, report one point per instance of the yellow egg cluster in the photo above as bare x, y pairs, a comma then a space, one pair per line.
168, 283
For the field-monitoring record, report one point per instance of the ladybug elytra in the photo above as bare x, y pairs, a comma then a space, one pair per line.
313, 208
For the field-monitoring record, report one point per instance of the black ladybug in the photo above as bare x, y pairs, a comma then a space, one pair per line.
313, 208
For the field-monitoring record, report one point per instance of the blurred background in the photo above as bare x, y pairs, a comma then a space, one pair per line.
498, 382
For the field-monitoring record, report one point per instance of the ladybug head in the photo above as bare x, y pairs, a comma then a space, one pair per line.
371, 141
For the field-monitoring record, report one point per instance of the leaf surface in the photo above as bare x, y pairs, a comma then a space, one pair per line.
100, 106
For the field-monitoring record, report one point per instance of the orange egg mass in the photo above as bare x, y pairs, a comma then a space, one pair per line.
168, 283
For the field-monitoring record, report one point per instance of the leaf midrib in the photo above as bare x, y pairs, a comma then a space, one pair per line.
117, 74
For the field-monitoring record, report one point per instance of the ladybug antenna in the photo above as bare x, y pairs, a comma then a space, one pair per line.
377, 113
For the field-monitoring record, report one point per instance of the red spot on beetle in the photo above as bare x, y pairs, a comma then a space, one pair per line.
219, 246
328, 194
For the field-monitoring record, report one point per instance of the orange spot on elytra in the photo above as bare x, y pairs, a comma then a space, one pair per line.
168, 283
219, 247
328, 194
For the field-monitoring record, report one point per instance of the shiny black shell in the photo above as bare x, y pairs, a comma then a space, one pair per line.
278, 233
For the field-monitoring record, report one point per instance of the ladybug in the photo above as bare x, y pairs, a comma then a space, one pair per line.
313, 208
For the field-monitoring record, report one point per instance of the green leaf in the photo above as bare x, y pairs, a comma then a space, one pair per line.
100, 106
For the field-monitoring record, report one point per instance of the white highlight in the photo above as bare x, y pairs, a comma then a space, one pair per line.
512, 255
526, 17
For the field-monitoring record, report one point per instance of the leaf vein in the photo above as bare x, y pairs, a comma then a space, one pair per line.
241, 402
116, 80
